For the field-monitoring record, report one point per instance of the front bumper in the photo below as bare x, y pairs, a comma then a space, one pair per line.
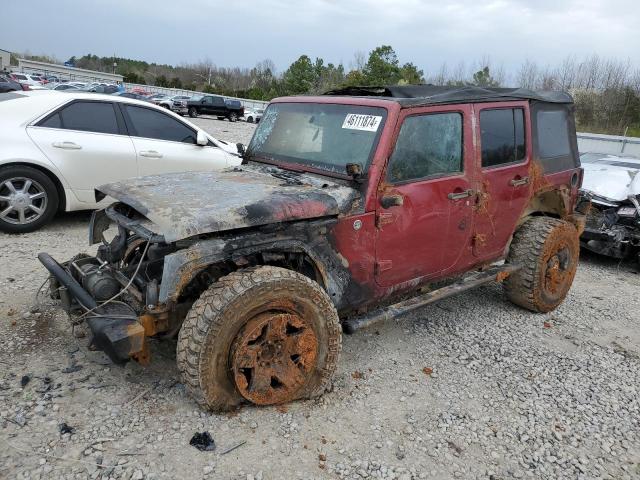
115, 328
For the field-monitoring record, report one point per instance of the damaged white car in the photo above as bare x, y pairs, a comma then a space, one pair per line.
613, 225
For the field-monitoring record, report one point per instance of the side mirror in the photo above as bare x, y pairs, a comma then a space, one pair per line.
201, 138
354, 170
388, 201
241, 149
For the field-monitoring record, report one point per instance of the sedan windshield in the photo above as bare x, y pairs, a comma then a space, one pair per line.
324, 136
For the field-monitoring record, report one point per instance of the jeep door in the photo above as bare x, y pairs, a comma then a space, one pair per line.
424, 216
504, 183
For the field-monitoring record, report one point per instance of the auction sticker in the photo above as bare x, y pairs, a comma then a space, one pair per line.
358, 121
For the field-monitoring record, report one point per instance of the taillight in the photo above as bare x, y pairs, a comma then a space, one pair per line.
25, 86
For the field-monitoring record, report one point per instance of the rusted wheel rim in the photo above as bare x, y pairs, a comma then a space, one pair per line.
558, 270
273, 356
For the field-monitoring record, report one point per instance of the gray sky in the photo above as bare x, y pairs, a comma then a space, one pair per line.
241, 33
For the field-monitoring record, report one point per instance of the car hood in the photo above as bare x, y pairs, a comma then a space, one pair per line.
612, 178
192, 203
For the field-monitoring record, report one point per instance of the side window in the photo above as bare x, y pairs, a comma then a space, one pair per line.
553, 133
97, 117
148, 123
428, 145
502, 136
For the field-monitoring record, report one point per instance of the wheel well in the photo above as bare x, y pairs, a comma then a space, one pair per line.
297, 261
59, 188
551, 203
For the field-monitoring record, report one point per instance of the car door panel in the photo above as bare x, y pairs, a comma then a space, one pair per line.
87, 159
428, 230
85, 140
500, 185
164, 144
159, 156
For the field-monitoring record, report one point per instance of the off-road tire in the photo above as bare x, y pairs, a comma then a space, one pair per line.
193, 112
215, 321
547, 249
52, 199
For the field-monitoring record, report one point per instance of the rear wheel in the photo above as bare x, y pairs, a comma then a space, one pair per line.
265, 335
548, 251
28, 199
233, 117
250, 119
193, 112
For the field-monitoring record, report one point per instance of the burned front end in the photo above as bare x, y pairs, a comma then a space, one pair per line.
116, 291
613, 228
169, 237
613, 224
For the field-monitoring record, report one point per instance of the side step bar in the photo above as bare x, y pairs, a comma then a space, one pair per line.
493, 274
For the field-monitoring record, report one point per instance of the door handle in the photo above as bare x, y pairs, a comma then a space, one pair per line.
150, 154
518, 182
460, 195
66, 145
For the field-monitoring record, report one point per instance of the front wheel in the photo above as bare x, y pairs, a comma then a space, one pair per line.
28, 199
264, 335
193, 112
249, 119
548, 251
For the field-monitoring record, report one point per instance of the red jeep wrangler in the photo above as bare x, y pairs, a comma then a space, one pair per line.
346, 208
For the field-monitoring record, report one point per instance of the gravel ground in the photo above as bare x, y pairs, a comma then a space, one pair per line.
471, 387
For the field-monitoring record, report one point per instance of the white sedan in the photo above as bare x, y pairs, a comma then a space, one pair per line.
57, 147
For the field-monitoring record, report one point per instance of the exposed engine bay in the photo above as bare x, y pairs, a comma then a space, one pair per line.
613, 224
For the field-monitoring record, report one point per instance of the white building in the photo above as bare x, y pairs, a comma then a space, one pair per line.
5, 58
66, 73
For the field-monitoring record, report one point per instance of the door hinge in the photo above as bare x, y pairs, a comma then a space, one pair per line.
383, 265
384, 218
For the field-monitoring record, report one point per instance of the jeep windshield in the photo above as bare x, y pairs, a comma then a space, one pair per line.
318, 135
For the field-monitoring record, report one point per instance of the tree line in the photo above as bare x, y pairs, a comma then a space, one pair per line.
606, 91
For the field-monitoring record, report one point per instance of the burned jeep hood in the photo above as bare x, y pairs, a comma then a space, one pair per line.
186, 204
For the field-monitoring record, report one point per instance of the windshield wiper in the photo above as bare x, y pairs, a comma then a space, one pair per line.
289, 177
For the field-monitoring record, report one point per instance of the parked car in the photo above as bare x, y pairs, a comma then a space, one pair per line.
347, 209
140, 91
136, 96
157, 97
177, 103
9, 85
57, 147
101, 88
64, 86
40, 79
253, 116
24, 79
613, 223
215, 105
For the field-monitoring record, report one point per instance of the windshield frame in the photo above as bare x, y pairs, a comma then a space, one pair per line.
291, 163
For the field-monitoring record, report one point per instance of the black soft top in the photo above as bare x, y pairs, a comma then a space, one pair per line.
411, 95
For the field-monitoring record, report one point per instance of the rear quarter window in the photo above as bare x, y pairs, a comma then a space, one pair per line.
554, 136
